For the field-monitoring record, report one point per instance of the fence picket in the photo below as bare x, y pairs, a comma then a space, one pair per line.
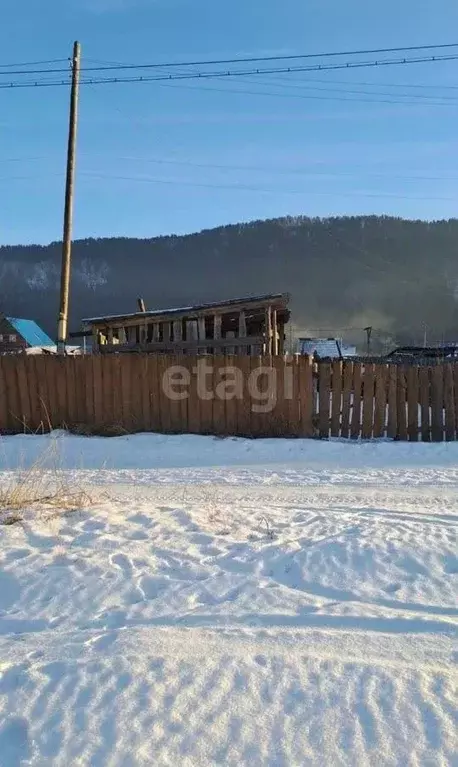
449, 403
347, 397
392, 425
425, 397
4, 406
412, 403
305, 384
219, 410
356, 409
336, 405
437, 403
324, 399
368, 401
401, 392
380, 400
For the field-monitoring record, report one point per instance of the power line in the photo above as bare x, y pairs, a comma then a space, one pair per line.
279, 171
251, 59
303, 87
223, 74
246, 188
308, 173
32, 64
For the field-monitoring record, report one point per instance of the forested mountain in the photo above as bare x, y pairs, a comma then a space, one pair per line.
398, 276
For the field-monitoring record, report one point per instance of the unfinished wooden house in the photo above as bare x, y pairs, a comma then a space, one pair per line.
253, 326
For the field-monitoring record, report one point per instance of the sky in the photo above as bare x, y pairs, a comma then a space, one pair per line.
171, 158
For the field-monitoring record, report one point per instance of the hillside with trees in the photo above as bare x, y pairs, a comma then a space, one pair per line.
397, 276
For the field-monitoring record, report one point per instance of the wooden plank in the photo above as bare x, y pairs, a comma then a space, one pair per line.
71, 383
124, 392
217, 327
116, 378
201, 333
284, 386
268, 322
194, 421
355, 428
413, 398
231, 377
32, 383
176, 390
51, 386
219, 411
14, 402
89, 390
401, 400
324, 399
381, 378
222, 345
207, 394
79, 368
449, 403
107, 390
61, 378
44, 424
259, 379
136, 394
162, 396
166, 331
12, 394
425, 395
250, 396
305, 385
336, 390
99, 419
177, 331
292, 385
154, 385
187, 365
455, 392
4, 417
201, 329
280, 415
145, 393
437, 403
23, 367
347, 390
392, 426
274, 332
368, 401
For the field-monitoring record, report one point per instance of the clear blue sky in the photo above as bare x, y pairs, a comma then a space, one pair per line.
328, 144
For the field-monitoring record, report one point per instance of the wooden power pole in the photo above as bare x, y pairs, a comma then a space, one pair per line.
62, 328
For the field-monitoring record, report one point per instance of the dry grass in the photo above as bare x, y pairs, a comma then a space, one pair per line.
43, 486
108, 430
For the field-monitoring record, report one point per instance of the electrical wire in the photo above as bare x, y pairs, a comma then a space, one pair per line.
32, 64
243, 187
233, 73
277, 171
250, 59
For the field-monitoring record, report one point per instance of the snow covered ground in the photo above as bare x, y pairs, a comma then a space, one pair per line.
231, 602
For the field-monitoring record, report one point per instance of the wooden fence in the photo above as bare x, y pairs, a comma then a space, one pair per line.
246, 396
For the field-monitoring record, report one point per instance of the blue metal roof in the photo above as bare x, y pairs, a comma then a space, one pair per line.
30, 332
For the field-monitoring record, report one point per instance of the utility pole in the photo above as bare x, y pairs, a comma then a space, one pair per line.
62, 328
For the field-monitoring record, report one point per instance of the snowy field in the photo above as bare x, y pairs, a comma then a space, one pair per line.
231, 602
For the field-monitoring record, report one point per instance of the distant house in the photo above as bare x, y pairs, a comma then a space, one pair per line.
325, 348
18, 335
